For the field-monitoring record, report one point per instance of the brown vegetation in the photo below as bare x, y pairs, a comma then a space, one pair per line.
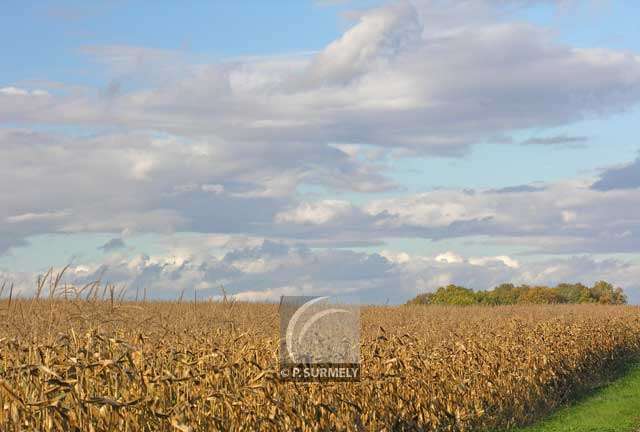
95, 365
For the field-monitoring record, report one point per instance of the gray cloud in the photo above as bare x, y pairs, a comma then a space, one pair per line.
520, 188
564, 217
113, 244
135, 181
559, 141
267, 271
624, 177
138, 182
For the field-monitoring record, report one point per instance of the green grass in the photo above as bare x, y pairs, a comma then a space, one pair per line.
614, 408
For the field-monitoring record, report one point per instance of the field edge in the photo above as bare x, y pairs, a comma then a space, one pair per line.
611, 407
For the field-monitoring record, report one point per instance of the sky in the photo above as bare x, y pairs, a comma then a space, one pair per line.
358, 148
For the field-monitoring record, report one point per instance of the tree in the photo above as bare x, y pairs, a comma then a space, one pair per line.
421, 299
605, 293
540, 295
508, 294
454, 295
504, 294
574, 293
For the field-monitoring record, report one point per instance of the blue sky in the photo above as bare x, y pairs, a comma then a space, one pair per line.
214, 30
257, 144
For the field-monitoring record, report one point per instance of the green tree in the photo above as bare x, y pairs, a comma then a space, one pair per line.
421, 299
540, 295
454, 295
504, 294
508, 294
574, 293
605, 293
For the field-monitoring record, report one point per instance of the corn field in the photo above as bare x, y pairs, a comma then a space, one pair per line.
106, 364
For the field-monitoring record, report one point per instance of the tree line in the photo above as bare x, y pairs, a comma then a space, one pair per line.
601, 292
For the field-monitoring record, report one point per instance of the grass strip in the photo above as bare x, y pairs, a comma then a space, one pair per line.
614, 408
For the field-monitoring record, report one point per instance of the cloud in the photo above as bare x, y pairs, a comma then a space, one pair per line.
519, 188
30, 217
449, 258
565, 217
380, 34
506, 260
561, 218
315, 213
13, 91
558, 140
266, 271
144, 183
9, 240
395, 79
16, 91
213, 188
622, 177
113, 244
